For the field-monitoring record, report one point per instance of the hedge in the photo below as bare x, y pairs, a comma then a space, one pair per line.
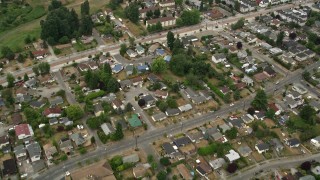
94, 95
215, 90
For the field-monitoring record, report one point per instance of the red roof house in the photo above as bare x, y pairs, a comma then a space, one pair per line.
52, 112
23, 131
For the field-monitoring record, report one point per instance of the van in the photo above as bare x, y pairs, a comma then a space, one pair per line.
120, 19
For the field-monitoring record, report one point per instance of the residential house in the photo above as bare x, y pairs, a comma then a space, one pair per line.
98, 109
224, 90
40, 54
140, 50
172, 112
142, 68
31, 83
125, 84
315, 141
291, 103
131, 53
153, 78
134, 121
23, 131
167, 4
122, 122
247, 80
65, 145
129, 69
183, 141
165, 21
275, 142
198, 100
262, 147
294, 95
260, 115
107, 128
117, 105
169, 149
49, 151
20, 152
37, 104
9, 167
190, 92
143, 12
219, 58
275, 107
206, 94
203, 168
224, 127
301, 57
217, 163
236, 122
214, 134
315, 104
65, 121
242, 54
195, 137
139, 171
232, 156
185, 108
78, 139
132, 158
83, 67
116, 68
184, 172
161, 94
244, 150
52, 112
53, 121
34, 151
188, 40
159, 116
137, 81
93, 65
149, 101
4, 141
299, 88
293, 142
247, 118
269, 71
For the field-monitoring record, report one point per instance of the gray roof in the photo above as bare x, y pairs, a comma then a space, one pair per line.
276, 143
148, 98
37, 104
19, 150
98, 107
34, 149
182, 141
38, 165
125, 83
172, 112
107, 128
159, 116
217, 163
293, 142
56, 101
224, 127
263, 146
194, 136
190, 92
123, 123
77, 138
185, 107
53, 121
168, 148
133, 158
65, 142
244, 150
236, 122
220, 56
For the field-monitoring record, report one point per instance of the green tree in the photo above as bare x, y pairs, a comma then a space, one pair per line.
86, 25
132, 12
170, 40
85, 8
179, 3
165, 161
113, 85
159, 65
131, 41
280, 37
74, 112
189, 18
162, 175
238, 25
162, 105
123, 49
201, 6
44, 68
7, 53
157, 13
118, 135
231, 133
306, 75
25, 77
237, 6
20, 58
236, 95
172, 103
307, 113
260, 102
7, 95
149, 14
270, 114
10, 80
35, 70
55, 4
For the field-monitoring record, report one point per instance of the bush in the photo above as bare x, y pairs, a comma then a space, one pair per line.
165, 161
215, 90
94, 95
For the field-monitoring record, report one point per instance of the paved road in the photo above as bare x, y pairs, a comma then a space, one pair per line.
70, 97
278, 163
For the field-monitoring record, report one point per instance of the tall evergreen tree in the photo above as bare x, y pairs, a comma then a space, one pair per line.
85, 8
170, 40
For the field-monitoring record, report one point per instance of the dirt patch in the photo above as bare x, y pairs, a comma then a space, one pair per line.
269, 123
258, 157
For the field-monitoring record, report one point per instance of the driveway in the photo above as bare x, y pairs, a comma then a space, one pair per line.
70, 97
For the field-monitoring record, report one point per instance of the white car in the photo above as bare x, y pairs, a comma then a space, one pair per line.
67, 173
231, 104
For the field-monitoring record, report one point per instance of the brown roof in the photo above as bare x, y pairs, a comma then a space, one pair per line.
83, 66
136, 79
148, 9
21, 90
16, 118
159, 93
184, 171
214, 13
55, 110
39, 53
260, 76
100, 170
117, 102
44, 78
4, 139
162, 19
241, 85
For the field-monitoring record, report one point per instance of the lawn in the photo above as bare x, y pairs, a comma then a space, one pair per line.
136, 29
81, 47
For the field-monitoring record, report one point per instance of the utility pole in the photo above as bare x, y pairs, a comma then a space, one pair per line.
136, 148
181, 126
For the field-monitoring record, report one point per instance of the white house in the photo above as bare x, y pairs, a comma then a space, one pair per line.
218, 58
315, 141
232, 155
23, 131
165, 21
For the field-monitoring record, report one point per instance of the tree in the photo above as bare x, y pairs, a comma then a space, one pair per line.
238, 25
165, 161
149, 14
85, 8
232, 168
7, 53
237, 6
20, 58
162, 175
74, 112
270, 114
159, 65
292, 35
189, 18
86, 25
307, 113
172, 103
260, 102
306, 75
170, 40
35, 70
113, 85
280, 37
131, 41
118, 135
201, 6
157, 13
25, 77
123, 49
132, 12
231, 133
236, 95
55, 4
10, 80
141, 102
306, 166
162, 105
129, 107
179, 2
239, 45
44, 68
7, 95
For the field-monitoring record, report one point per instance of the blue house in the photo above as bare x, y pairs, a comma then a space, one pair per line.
160, 52
167, 58
142, 68
117, 68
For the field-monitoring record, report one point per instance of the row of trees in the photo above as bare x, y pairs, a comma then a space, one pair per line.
41, 69
62, 24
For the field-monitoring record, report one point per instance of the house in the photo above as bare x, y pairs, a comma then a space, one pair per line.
188, 40
134, 121
139, 171
137, 81
129, 69
269, 71
172, 112
34, 151
20, 152
153, 78
242, 54
133, 158
293, 142
16, 118
184, 172
195, 137
275, 107
93, 65
185, 108
9, 167
301, 57
247, 118
315, 141
203, 168
260, 77
275, 142
299, 88
66, 145
169, 149
159, 116
244, 150
98, 109
224, 127
23, 131
53, 121
31, 83
49, 151
275, 51
294, 95
140, 50
219, 58
315, 104
190, 92
40, 54
224, 90
125, 84
260, 115
37, 104
217, 163
52, 112
142, 68
167, 4
117, 104
4, 141
291, 103
77, 138
117, 68
161, 94
198, 100
214, 134
262, 147
206, 94
83, 67
160, 52
236, 122
247, 80
107, 128
143, 12
183, 141
232, 155
131, 53
65, 121
165, 21
149, 100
